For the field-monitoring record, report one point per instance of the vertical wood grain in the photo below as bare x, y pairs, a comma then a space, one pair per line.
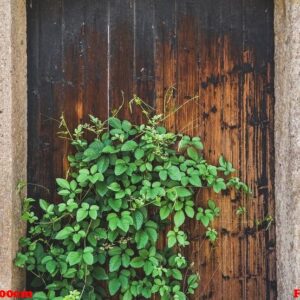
144, 77
85, 56
121, 45
44, 71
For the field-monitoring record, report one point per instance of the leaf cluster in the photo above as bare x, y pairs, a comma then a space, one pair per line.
128, 187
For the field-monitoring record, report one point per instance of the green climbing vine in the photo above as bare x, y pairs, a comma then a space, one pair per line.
127, 186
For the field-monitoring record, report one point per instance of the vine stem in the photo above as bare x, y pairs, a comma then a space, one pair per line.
184, 279
85, 272
179, 107
52, 222
35, 274
85, 276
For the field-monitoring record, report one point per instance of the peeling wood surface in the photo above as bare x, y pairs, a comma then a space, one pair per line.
84, 54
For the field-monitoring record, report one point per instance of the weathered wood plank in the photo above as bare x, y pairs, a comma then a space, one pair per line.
165, 48
44, 48
69, 75
83, 54
144, 77
121, 55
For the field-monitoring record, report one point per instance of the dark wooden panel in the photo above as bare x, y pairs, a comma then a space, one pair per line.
144, 76
165, 48
220, 54
68, 74
45, 69
84, 54
121, 54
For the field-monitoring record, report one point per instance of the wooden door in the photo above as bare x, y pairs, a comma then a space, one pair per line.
83, 53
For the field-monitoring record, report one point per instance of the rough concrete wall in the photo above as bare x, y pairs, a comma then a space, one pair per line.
13, 135
287, 139
287, 145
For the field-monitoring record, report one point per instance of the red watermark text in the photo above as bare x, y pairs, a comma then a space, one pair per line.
15, 294
296, 293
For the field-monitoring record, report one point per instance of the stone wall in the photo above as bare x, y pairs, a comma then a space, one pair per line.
13, 135
287, 145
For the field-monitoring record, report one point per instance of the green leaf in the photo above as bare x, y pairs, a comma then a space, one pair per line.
222, 161
125, 260
141, 238
115, 263
163, 174
70, 273
126, 125
192, 153
46, 259
179, 218
101, 188
88, 258
81, 214
103, 164
115, 123
183, 192
171, 241
64, 233
205, 220
190, 212
76, 238
109, 149
81, 178
139, 153
64, 192
164, 212
120, 169
40, 296
74, 258
93, 169
93, 214
177, 274
148, 267
129, 146
211, 204
197, 143
96, 177
174, 173
43, 204
125, 221
113, 220
120, 195
51, 266
135, 179
152, 233
128, 296
123, 224
172, 194
195, 180
115, 251
115, 204
113, 286
114, 187
20, 260
181, 295
137, 262
99, 273
219, 185
63, 183
91, 154
138, 219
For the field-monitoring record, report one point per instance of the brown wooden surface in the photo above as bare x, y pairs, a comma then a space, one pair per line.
83, 54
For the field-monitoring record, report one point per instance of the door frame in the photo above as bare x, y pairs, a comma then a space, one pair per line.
13, 140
